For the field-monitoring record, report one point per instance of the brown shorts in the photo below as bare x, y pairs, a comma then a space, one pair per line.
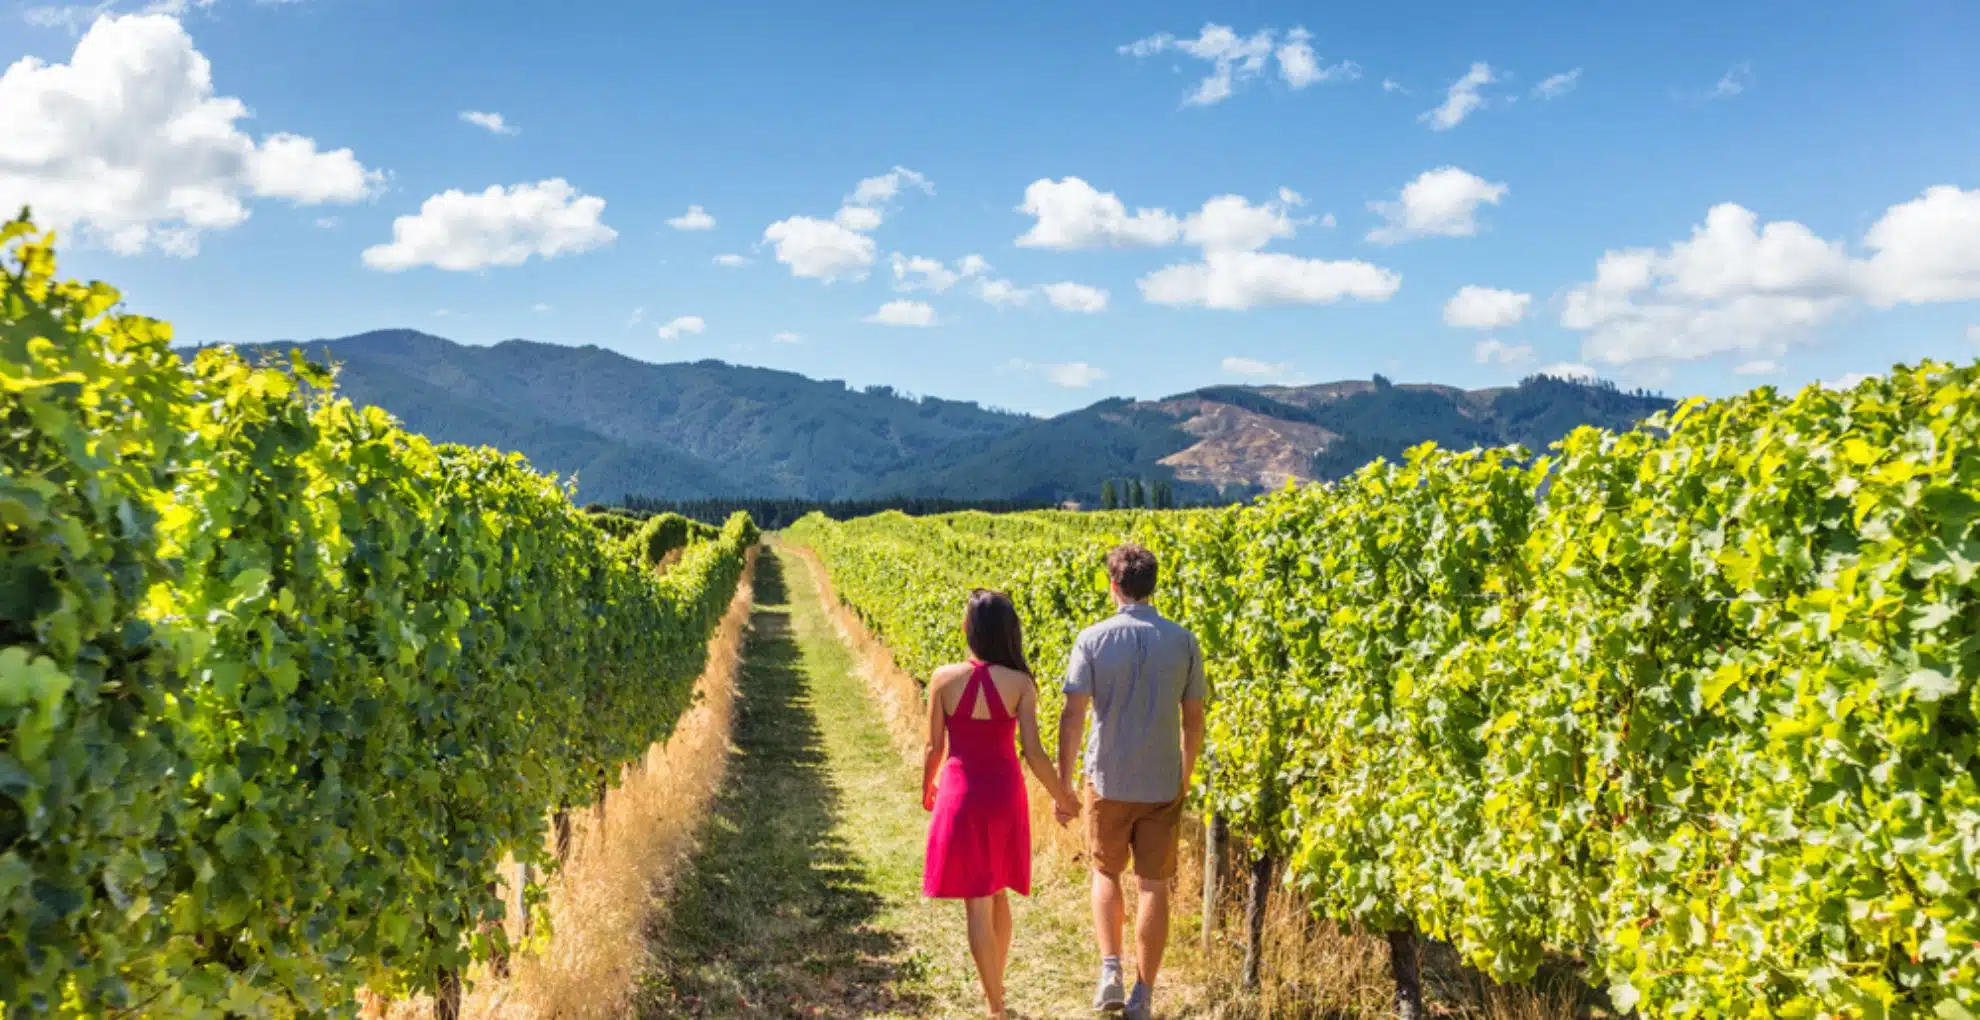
1114, 828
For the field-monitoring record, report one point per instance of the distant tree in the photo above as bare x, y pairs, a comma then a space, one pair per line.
1165, 495
1109, 499
1382, 381
1135, 499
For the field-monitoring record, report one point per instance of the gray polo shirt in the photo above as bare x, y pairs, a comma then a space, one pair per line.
1138, 668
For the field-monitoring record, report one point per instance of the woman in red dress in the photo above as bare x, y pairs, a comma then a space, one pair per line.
979, 842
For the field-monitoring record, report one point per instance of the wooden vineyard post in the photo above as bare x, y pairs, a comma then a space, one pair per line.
1254, 917
1216, 841
522, 901
560, 824
447, 998
1409, 976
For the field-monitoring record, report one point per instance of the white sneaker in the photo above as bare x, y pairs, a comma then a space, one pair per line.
1111, 996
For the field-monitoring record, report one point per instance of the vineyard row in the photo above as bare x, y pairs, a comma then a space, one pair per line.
282, 684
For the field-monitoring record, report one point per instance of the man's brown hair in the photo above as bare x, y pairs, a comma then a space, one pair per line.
1132, 569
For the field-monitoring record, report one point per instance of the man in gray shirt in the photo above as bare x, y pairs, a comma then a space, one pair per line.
1142, 676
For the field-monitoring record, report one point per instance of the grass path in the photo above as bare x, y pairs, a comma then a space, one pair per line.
804, 896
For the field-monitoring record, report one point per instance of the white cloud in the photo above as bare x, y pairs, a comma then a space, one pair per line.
696, 218
876, 190
923, 273
1733, 82
1558, 85
1736, 286
1299, 67
1392, 85
1485, 308
838, 248
459, 231
730, 260
1280, 373
1238, 58
1231, 223
858, 217
1927, 249
1231, 56
1569, 371
1073, 375
1732, 287
1327, 221
289, 166
1763, 366
1493, 351
638, 316
1438, 203
686, 325
1461, 99
128, 146
821, 249
1236, 280
1072, 214
492, 122
74, 18
904, 313
327, 222
1003, 293
1234, 274
540, 308
1075, 297
787, 338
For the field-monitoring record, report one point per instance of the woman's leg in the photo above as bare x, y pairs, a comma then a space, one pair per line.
1001, 915
983, 946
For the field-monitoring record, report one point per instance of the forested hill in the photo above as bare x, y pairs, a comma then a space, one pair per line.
1231, 440
687, 429
709, 429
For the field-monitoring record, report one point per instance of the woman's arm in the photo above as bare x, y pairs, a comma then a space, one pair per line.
938, 742
1035, 756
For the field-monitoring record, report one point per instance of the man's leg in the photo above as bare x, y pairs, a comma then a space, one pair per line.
1109, 913
1155, 839
1107, 844
1151, 929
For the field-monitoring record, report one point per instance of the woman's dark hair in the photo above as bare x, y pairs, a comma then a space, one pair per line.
991, 627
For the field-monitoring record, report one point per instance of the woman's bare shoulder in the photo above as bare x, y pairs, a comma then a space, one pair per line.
951, 675
1011, 679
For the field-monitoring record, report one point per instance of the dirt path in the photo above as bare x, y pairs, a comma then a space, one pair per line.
803, 899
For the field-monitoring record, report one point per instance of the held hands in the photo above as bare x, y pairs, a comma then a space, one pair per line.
928, 796
1065, 806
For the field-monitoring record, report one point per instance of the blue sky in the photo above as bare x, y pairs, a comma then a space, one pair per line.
1726, 194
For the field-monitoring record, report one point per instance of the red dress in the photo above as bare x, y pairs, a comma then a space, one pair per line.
979, 842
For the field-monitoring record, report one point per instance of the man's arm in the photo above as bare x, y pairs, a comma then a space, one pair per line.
1078, 689
1196, 690
1072, 727
1192, 727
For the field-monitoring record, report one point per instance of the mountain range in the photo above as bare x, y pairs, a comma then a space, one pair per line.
706, 429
